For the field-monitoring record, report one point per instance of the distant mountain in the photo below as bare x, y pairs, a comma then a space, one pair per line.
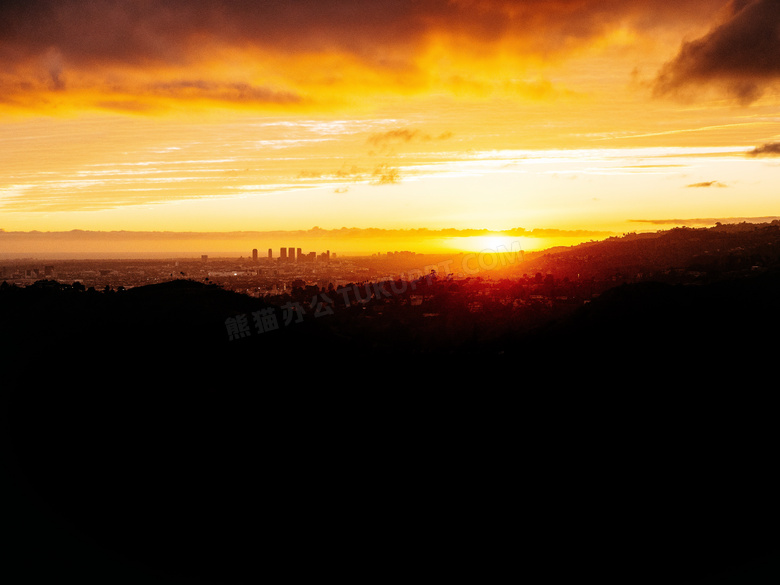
703, 303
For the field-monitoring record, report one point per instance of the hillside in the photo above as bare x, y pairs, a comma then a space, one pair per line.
629, 439
718, 251
720, 331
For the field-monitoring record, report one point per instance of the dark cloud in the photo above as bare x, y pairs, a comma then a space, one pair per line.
146, 97
741, 56
142, 32
768, 149
383, 33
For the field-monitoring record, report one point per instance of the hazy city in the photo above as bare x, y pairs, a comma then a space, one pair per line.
272, 272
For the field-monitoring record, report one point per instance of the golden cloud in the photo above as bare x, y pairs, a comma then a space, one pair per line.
145, 56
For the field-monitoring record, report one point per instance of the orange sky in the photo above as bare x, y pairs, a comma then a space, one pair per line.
583, 117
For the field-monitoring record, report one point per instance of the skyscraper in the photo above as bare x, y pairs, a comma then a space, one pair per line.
291, 254
254, 255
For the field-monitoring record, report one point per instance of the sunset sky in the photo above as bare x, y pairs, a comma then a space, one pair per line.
413, 124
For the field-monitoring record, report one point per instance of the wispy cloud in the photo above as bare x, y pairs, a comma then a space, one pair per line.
384, 174
404, 135
707, 184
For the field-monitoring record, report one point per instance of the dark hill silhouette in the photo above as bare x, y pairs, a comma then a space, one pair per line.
174, 325
625, 442
716, 332
720, 250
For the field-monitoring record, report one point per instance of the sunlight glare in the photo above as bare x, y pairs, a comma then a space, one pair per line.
492, 244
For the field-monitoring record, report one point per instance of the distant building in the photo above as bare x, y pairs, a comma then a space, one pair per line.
254, 255
270, 253
204, 257
283, 254
291, 254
